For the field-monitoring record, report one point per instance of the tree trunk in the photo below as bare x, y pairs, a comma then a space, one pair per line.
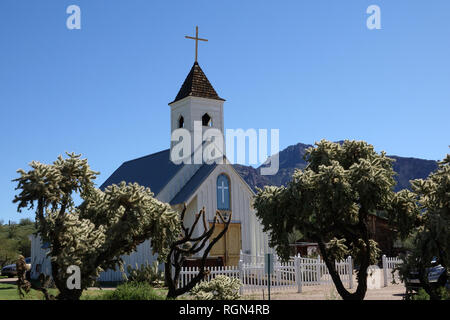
67, 294
173, 291
176, 255
64, 292
361, 289
171, 283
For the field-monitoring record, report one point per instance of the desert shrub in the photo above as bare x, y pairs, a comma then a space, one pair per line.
145, 273
423, 295
132, 291
219, 288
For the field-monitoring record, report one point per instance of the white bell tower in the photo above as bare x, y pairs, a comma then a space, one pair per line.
196, 101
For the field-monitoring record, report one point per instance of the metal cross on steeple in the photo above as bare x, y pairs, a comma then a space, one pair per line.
196, 38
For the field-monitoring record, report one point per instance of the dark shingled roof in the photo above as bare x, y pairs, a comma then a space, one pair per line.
153, 171
197, 85
191, 186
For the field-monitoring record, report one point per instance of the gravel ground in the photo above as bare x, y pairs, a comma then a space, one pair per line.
391, 292
8, 280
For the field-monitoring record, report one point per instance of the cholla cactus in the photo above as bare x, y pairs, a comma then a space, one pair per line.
145, 273
93, 235
330, 201
219, 288
423, 215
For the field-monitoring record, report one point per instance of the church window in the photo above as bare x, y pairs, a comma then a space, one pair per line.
181, 122
206, 120
223, 193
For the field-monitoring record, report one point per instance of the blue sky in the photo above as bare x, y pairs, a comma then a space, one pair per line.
309, 68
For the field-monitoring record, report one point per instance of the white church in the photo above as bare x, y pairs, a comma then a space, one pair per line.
212, 186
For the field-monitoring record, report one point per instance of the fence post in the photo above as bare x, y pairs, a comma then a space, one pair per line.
350, 272
318, 270
276, 269
385, 270
241, 275
298, 272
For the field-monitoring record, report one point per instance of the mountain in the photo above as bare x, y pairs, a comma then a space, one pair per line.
291, 158
411, 168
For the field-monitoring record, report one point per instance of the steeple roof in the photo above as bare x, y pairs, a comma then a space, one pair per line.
197, 85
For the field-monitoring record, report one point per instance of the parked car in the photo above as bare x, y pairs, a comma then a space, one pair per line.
10, 270
437, 276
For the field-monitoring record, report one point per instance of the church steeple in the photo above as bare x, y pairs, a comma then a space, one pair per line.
197, 103
197, 84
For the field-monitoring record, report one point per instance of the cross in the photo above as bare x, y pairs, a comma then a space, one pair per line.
223, 188
196, 41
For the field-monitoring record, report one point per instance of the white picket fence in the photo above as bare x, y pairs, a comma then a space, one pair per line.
294, 274
187, 273
253, 276
389, 264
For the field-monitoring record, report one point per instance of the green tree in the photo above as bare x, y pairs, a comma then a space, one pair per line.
14, 241
8, 251
12, 230
24, 246
329, 202
423, 214
95, 234
25, 222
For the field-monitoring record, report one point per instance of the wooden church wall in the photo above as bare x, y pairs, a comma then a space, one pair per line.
240, 205
39, 261
142, 255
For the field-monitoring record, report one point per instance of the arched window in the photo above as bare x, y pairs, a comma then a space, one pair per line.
206, 120
223, 193
181, 122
